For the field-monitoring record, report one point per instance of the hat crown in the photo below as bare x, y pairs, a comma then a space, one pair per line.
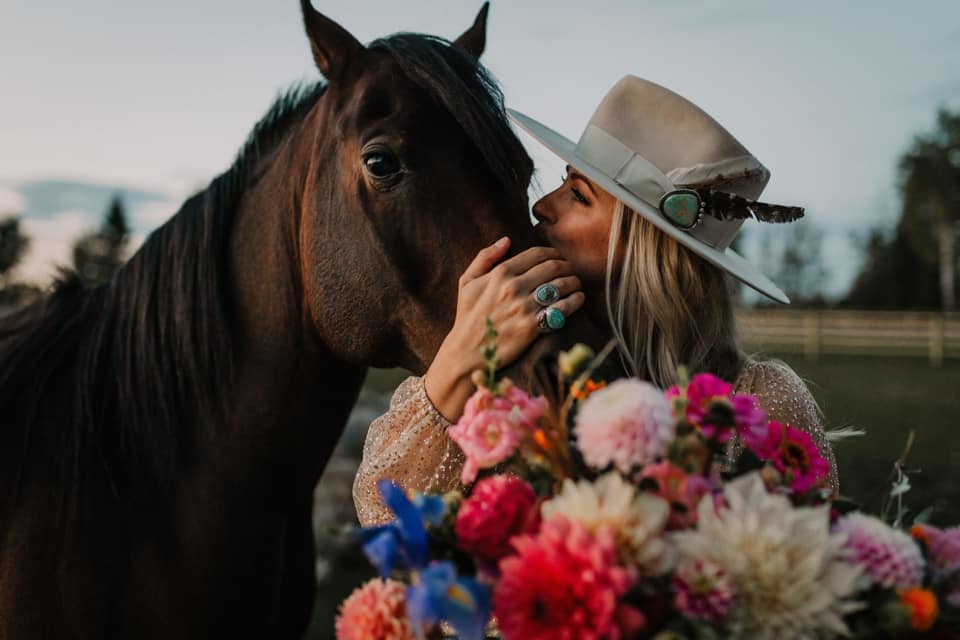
676, 136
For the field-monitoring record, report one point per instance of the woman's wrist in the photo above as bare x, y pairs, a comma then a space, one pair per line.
448, 381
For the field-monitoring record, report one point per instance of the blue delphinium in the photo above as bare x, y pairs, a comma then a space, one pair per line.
436, 592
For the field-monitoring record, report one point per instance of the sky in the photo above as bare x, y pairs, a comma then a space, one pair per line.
159, 96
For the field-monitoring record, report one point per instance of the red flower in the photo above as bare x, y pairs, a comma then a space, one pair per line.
565, 584
499, 508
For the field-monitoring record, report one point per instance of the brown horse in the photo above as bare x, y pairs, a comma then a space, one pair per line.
161, 435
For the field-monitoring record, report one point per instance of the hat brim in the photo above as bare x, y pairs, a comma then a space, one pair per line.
727, 259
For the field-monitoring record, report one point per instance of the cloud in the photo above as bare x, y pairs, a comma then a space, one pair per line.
51, 239
11, 202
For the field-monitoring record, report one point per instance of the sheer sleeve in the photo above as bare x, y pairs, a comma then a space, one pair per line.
785, 398
409, 445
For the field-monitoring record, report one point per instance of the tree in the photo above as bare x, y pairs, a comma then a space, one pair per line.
916, 266
801, 272
13, 245
930, 181
98, 254
792, 255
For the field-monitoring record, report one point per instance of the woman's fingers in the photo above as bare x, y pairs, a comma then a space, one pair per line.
525, 260
544, 272
567, 306
485, 259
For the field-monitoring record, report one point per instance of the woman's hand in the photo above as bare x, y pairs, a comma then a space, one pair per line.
504, 293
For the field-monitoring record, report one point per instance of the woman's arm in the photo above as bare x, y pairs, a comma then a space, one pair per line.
785, 398
409, 445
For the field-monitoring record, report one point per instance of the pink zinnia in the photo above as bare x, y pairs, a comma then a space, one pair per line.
702, 590
627, 423
793, 453
491, 426
682, 490
565, 584
376, 610
708, 398
499, 507
889, 557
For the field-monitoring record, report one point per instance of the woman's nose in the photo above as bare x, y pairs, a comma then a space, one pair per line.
542, 210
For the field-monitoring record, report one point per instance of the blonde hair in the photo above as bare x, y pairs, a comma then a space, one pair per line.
667, 306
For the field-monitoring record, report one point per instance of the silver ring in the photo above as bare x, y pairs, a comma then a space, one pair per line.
550, 319
546, 294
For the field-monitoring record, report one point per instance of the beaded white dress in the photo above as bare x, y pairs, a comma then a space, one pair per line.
409, 444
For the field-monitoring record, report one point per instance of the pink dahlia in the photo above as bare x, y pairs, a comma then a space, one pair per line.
376, 610
499, 508
627, 423
889, 557
565, 583
491, 426
702, 590
682, 490
793, 453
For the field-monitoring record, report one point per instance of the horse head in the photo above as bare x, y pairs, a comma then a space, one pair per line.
416, 169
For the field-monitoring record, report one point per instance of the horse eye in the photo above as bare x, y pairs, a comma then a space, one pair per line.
381, 163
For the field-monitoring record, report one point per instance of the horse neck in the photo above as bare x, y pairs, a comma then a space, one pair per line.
291, 394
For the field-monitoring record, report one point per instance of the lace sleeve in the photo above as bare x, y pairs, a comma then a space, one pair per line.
409, 445
785, 398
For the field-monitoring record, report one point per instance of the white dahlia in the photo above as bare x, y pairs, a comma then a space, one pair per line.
788, 571
637, 519
628, 423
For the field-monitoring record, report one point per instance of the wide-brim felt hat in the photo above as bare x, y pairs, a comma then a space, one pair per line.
672, 163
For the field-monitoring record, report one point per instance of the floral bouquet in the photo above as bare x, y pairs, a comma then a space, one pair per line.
612, 511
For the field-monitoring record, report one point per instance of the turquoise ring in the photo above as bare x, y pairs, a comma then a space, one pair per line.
551, 319
546, 294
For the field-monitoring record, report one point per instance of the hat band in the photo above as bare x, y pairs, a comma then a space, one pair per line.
645, 181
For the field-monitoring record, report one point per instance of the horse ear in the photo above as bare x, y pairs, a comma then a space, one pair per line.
474, 39
332, 45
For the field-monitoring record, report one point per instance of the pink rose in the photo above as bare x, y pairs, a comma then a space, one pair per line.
491, 426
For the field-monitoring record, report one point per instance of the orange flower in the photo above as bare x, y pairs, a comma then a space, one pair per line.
922, 605
581, 393
919, 532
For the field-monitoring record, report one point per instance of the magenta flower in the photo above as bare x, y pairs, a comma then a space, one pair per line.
793, 453
702, 590
708, 404
492, 426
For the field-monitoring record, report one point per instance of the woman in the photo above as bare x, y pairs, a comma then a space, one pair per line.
655, 192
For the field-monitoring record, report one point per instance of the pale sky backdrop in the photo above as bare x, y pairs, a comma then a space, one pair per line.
158, 96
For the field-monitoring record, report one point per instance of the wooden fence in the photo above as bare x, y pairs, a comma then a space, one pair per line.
877, 333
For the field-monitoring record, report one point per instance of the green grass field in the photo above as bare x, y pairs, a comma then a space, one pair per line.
888, 398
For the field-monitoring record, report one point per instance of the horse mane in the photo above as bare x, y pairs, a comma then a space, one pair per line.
131, 363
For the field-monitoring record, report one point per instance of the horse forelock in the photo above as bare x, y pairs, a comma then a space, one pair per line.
468, 92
